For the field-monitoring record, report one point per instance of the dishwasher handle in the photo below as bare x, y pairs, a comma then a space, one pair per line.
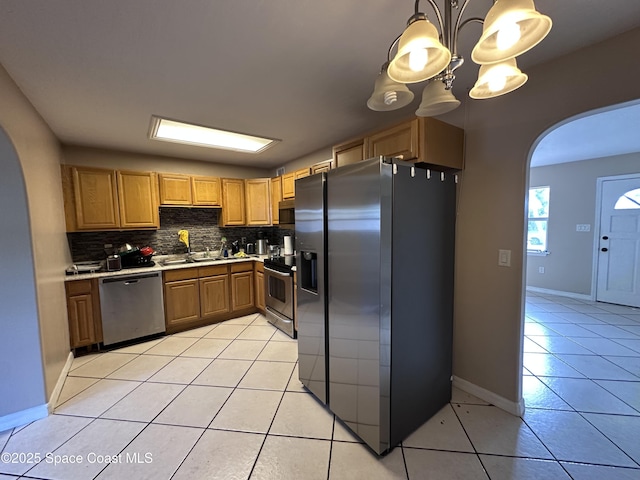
129, 279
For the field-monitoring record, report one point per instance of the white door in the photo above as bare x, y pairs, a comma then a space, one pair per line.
619, 241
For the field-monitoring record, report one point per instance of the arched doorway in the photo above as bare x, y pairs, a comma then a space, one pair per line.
22, 389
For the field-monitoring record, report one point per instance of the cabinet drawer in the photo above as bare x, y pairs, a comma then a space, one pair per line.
181, 274
212, 270
242, 267
259, 266
76, 287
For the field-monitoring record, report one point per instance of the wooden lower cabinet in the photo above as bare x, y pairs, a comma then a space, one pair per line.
83, 307
242, 290
214, 295
182, 302
259, 277
199, 296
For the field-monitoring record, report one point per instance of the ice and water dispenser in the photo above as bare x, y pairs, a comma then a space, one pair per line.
308, 272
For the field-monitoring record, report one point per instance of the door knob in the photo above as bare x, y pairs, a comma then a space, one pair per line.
605, 238
604, 249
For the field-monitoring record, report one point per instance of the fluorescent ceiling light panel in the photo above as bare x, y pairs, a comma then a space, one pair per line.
180, 132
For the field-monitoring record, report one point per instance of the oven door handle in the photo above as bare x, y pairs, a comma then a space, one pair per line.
276, 272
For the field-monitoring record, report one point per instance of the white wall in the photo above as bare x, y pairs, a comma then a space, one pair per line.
40, 299
500, 134
569, 266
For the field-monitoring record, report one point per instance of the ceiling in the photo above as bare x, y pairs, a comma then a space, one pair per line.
297, 71
605, 133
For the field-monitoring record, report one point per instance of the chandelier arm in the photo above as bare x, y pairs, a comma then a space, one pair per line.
438, 14
393, 44
461, 26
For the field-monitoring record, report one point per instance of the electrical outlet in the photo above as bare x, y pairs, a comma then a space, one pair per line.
583, 227
540, 269
504, 258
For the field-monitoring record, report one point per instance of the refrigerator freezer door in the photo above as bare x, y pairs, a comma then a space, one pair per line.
310, 264
358, 202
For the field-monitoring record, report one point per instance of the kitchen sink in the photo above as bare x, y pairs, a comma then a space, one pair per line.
176, 261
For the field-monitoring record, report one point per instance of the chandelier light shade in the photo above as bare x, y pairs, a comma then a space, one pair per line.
497, 79
429, 52
388, 95
420, 54
436, 100
511, 28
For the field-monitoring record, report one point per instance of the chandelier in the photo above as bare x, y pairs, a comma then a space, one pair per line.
510, 28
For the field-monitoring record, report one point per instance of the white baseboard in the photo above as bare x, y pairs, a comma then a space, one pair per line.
55, 394
560, 293
32, 414
23, 417
514, 408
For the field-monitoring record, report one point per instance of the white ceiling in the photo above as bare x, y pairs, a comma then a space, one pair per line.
612, 131
300, 71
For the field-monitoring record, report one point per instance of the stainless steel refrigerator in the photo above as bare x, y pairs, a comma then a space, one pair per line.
375, 261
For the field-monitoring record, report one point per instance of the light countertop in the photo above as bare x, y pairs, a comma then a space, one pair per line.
159, 267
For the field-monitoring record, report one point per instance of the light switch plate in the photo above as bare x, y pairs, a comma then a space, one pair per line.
583, 227
504, 258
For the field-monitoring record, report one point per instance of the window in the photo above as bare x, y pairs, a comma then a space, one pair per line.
629, 200
538, 219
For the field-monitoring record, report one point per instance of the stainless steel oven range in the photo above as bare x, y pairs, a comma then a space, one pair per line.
278, 284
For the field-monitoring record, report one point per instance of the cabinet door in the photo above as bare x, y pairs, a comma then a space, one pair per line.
347, 153
260, 301
303, 172
321, 167
258, 201
288, 185
137, 194
206, 191
182, 302
82, 331
401, 142
242, 290
233, 209
276, 198
214, 295
96, 203
174, 189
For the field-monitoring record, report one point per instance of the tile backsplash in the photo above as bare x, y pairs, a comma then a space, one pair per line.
202, 224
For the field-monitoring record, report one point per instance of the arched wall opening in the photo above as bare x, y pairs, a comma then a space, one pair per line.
22, 389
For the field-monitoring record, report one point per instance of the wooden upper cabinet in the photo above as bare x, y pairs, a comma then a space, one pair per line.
175, 189
276, 198
289, 182
302, 172
233, 202
288, 185
206, 191
137, 195
401, 141
442, 144
99, 199
258, 201
349, 152
94, 199
420, 140
321, 167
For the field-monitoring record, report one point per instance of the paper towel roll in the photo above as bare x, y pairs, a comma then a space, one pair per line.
288, 245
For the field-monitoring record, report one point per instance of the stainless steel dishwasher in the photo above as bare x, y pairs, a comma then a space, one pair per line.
131, 307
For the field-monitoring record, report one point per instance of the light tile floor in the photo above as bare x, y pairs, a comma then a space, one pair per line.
224, 401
